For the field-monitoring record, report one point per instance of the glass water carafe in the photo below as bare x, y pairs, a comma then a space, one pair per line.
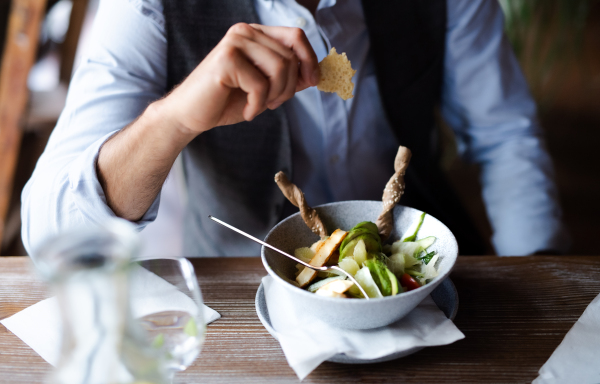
101, 342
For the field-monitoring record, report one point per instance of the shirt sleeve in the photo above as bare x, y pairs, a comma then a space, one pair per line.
487, 103
124, 69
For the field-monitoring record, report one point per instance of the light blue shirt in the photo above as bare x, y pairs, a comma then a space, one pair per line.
485, 100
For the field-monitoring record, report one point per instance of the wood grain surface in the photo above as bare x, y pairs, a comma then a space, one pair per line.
513, 311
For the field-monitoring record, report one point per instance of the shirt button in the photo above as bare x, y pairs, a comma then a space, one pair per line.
300, 22
334, 159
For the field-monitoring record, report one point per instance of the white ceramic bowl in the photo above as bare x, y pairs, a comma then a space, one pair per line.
292, 233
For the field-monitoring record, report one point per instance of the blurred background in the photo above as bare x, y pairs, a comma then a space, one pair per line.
557, 42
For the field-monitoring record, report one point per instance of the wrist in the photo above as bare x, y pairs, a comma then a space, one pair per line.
162, 116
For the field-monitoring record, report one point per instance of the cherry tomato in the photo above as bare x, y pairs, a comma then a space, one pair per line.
409, 282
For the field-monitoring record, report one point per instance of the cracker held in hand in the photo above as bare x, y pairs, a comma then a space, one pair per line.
394, 189
336, 75
296, 197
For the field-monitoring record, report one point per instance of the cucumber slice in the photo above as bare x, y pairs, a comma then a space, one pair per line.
380, 275
396, 264
349, 265
407, 248
429, 271
426, 242
352, 234
410, 261
366, 281
360, 253
372, 240
394, 281
347, 249
411, 232
414, 273
413, 248
371, 244
315, 286
372, 227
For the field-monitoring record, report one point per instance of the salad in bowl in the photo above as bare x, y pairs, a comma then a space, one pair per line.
382, 270
292, 234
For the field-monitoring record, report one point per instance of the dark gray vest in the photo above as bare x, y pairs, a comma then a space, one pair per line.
230, 169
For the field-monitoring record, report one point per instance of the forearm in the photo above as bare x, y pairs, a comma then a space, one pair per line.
133, 164
521, 198
253, 68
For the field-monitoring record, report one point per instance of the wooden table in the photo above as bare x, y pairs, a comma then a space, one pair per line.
513, 311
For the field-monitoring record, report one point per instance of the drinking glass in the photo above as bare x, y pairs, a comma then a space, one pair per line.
90, 269
124, 320
167, 302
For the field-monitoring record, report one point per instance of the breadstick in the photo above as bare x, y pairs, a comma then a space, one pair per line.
394, 189
296, 197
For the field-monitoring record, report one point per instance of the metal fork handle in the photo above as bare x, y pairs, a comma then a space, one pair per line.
290, 256
266, 244
353, 280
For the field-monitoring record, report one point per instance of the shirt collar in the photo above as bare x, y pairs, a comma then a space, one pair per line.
269, 3
322, 3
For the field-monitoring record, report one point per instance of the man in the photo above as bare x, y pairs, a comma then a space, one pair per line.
241, 104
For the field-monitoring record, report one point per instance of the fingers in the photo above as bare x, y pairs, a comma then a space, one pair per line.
269, 64
245, 76
296, 40
275, 68
290, 88
251, 32
285, 42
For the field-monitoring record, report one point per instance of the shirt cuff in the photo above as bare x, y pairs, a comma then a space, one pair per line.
87, 193
542, 235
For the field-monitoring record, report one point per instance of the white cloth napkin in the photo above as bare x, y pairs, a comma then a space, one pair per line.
305, 348
39, 326
577, 358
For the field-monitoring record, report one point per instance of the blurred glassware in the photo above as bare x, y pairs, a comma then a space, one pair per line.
89, 269
172, 310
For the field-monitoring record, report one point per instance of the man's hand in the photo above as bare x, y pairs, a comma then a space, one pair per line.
253, 68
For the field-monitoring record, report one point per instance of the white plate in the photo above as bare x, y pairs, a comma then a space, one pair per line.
445, 296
